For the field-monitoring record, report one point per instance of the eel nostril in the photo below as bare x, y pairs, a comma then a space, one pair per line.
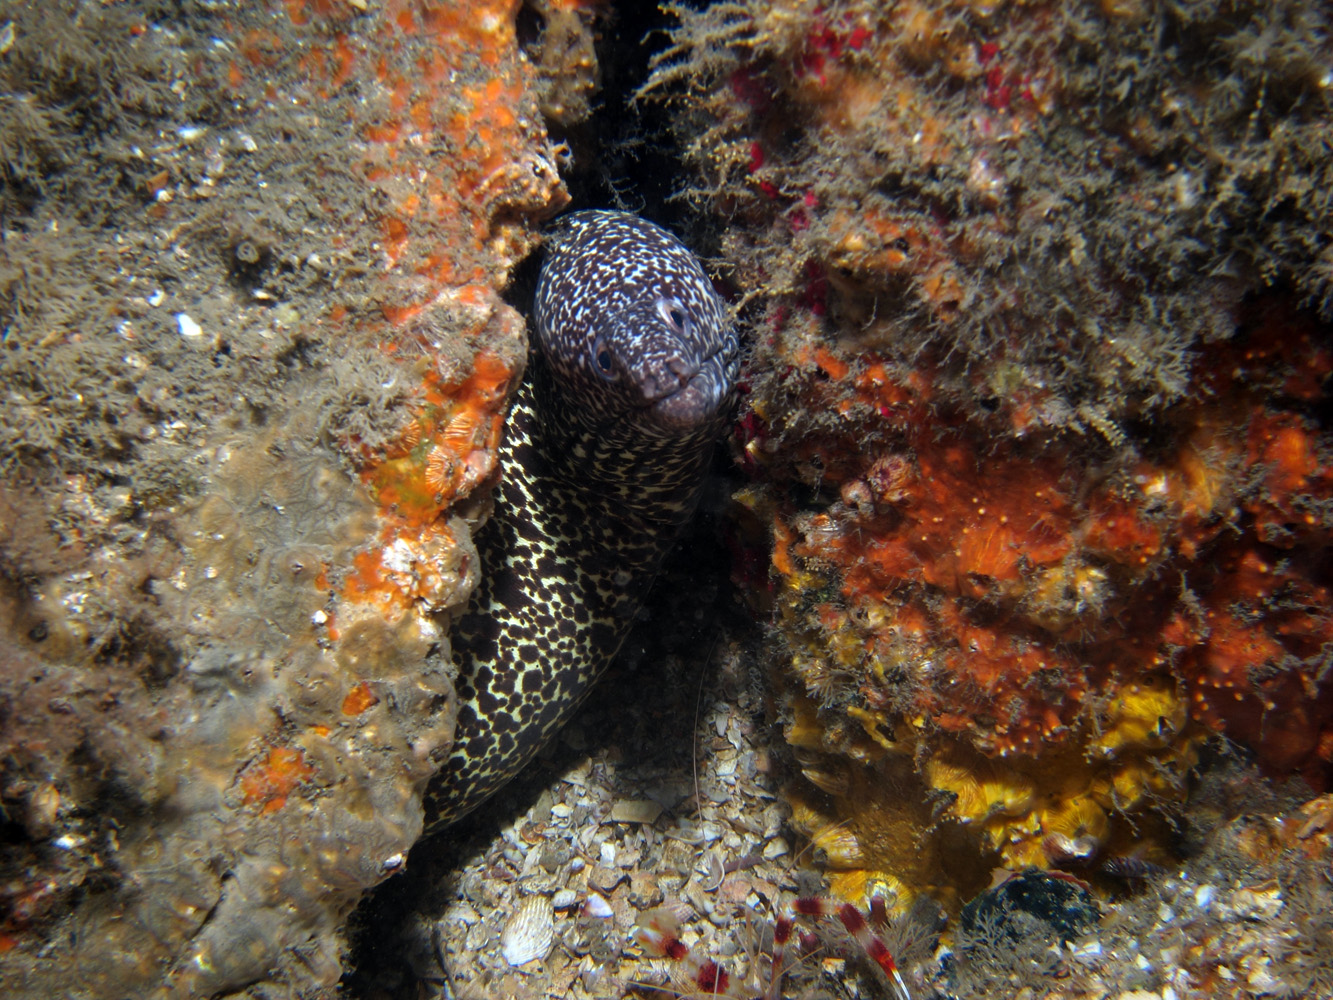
682, 369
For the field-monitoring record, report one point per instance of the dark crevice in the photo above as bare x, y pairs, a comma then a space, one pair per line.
622, 159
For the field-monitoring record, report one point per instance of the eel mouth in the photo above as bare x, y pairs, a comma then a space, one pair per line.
689, 394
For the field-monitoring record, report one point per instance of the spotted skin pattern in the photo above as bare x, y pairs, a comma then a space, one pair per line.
630, 385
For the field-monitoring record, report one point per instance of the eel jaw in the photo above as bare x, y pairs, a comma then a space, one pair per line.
699, 396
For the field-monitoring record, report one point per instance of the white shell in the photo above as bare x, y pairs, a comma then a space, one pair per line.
530, 932
597, 907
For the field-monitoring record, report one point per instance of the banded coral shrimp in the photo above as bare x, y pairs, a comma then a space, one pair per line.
806, 928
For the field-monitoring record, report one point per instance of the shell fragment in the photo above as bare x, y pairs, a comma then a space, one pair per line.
530, 932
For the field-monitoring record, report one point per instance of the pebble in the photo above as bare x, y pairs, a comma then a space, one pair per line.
564, 899
1250, 904
645, 890
605, 878
187, 326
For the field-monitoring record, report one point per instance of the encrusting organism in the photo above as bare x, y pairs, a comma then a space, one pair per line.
1040, 484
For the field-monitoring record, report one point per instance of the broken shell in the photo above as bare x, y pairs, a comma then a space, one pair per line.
530, 932
597, 907
635, 811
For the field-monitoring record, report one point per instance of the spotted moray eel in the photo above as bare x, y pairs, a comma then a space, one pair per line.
629, 387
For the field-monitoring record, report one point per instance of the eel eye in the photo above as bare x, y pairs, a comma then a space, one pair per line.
602, 359
673, 313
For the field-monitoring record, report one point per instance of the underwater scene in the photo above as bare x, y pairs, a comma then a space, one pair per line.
606, 498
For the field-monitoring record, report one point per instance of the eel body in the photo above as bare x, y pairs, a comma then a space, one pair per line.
630, 384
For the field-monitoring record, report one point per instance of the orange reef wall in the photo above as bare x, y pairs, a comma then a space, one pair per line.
227, 667
1040, 476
